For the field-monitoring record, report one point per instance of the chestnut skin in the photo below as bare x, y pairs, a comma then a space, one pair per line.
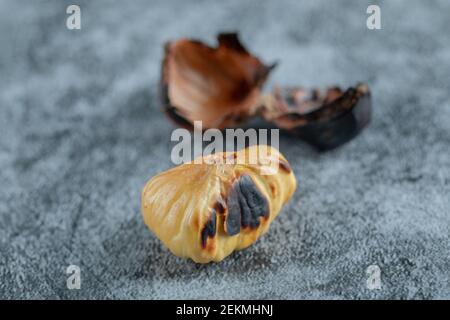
334, 120
222, 87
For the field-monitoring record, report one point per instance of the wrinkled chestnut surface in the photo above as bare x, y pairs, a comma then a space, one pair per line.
205, 210
221, 86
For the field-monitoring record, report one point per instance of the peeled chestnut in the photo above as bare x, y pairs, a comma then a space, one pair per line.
222, 87
205, 211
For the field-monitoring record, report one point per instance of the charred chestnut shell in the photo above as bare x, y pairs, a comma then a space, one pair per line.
222, 87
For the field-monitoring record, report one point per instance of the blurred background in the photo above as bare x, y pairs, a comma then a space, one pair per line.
81, 131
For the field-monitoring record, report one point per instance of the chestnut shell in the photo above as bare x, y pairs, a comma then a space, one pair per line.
324, 120
222, 87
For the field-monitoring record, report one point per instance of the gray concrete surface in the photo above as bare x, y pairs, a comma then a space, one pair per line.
81, 132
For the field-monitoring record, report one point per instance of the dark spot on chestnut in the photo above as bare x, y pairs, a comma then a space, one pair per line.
253, 203
195, 222
219, 206
233, 219
273, 190
209, 230
284, 165
246, 204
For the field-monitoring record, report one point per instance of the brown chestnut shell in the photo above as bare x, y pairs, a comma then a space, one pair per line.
219, 86
222, 87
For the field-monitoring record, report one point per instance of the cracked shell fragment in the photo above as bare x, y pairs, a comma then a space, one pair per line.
220, 86
223, 87
206, 211
324, 118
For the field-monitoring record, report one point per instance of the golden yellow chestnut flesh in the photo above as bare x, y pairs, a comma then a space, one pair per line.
204, 210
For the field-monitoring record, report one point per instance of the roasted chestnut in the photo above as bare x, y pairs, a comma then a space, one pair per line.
205, 210
222, 87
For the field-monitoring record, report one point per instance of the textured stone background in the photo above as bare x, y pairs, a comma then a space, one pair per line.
81, 132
